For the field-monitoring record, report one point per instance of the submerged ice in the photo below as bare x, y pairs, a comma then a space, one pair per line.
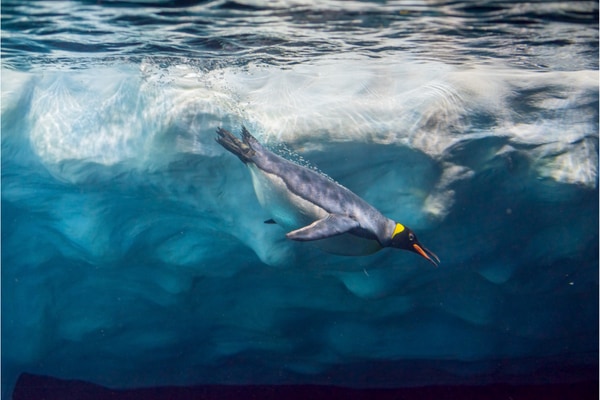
134, 251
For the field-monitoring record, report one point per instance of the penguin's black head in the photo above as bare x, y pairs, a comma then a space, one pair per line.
404, 238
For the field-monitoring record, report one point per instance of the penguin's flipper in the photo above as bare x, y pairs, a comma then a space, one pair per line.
331, 225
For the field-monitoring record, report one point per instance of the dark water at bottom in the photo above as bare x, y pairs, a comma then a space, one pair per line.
37, 387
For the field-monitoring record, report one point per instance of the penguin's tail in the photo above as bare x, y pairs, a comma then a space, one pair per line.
241, 148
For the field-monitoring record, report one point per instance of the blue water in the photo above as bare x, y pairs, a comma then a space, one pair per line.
134, 252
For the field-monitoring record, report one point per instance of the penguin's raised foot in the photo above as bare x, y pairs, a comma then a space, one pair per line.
249, 139
242, 149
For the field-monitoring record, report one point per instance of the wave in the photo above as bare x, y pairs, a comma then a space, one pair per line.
131, 112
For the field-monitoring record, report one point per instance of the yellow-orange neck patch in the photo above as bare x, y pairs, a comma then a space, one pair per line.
399, 228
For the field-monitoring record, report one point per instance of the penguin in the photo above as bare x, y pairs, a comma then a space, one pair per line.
314, 208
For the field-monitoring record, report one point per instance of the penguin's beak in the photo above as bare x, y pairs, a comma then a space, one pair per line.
427, 254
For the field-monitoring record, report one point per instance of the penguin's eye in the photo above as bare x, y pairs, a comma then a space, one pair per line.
411, 237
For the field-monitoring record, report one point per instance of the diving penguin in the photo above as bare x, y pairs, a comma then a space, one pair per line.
314, 208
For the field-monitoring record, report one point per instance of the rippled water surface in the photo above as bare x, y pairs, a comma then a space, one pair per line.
541, 35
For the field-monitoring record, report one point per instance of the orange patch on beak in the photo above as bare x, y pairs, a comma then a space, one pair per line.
422, 252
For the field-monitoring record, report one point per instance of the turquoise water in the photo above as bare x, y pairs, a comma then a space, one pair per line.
134, 252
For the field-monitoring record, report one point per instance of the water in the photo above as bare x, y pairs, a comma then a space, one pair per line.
541, 36
133, 248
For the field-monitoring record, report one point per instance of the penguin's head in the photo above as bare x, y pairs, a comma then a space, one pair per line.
404, 238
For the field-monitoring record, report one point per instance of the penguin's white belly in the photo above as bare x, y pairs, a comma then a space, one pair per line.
287, 209
292, 212
348, 245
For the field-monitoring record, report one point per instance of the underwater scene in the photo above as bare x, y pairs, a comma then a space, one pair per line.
221, 199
